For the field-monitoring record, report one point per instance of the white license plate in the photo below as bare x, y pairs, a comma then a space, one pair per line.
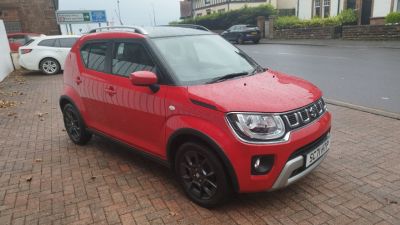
317, 153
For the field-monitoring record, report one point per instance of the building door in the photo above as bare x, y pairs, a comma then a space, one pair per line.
366, 11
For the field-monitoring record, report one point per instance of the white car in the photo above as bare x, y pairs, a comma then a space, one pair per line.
47, 54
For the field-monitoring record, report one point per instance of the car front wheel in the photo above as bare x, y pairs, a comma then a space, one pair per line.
202, 175
75, 126
50, 66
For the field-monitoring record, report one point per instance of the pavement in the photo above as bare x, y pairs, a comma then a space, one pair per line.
46, 179
335, 43
365, 76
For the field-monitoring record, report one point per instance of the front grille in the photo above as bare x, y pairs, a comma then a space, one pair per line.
305, 115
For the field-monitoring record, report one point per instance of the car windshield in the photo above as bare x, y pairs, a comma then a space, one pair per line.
204, 58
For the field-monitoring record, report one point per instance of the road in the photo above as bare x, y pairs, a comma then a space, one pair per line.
363, 76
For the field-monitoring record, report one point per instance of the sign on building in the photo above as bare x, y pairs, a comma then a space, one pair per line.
81, 16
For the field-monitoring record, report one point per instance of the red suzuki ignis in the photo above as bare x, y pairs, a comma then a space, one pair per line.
195, 102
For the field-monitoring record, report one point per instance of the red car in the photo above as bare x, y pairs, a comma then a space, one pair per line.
193, 101
17, 40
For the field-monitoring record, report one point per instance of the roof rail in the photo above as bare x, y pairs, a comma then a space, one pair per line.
135, 29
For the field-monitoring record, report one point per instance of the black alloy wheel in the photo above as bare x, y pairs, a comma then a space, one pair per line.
74, 125
202, 175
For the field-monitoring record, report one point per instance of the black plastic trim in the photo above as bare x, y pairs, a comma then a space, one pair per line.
203, 104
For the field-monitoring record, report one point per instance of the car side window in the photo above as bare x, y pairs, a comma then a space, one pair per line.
47, 43
67, 42
94, 56
129, 58
20, 39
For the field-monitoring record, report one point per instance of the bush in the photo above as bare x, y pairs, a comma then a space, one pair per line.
348, 17
294, 22
393, 17
222, 21
345, 17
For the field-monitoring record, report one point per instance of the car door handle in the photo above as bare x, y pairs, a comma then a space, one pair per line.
78, 80
110, 91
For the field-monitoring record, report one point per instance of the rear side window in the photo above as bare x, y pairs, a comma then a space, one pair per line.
129, 58
94, 56
20, 39
48, 43
67, 42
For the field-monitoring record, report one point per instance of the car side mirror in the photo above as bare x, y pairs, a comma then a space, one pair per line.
145, 78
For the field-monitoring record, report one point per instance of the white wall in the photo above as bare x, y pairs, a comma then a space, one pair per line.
287, 4
305, 7
334, 7
6, 66
381, 8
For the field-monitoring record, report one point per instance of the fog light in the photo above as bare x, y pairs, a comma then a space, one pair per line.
261, 165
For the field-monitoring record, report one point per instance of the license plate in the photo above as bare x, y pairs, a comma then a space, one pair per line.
253, 33
317, 153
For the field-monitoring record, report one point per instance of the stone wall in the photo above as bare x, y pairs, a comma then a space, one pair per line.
36, 16
371, 32
307, 33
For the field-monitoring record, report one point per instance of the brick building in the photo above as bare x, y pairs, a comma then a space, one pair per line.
36, 16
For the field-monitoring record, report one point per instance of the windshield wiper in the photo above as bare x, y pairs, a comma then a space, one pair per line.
228, 76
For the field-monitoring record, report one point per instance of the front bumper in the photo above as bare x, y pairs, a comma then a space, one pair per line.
289, 156
289, 176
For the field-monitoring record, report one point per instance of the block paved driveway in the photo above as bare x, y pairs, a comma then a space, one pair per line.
45, 179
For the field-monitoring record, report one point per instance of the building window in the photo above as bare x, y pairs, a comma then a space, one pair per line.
199, 14
327, 8
398, 5
206, 2
351, 4
208, 11
317, 8
223, 10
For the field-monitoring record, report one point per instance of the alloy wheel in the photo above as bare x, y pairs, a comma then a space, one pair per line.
72, 124
198, 175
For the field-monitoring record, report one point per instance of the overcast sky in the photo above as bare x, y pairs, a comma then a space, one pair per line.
133, 12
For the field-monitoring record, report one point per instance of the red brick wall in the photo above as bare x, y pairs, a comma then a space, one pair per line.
35, 15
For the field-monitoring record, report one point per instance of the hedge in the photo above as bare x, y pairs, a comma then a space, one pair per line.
392, 18
344, 18
222, 21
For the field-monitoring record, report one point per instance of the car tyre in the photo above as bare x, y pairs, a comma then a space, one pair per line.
75, 126
240, 40
49, 66
256, 41
202, 175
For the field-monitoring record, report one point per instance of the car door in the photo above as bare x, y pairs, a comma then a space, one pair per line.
135, 114
230, 34
91, 83
64, 46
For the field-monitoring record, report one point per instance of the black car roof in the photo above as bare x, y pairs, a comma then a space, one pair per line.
170, 31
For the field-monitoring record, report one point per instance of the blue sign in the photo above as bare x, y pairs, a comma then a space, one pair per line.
98, 16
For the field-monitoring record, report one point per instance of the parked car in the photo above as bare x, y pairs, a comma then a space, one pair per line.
47, 53
17, 40
198, 104
242, 33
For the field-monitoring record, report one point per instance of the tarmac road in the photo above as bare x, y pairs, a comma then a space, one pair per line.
366, 76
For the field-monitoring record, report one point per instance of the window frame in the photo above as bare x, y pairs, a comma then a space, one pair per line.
324, 5
107, 66
114, 46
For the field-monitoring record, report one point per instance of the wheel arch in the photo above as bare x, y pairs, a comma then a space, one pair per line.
187, 134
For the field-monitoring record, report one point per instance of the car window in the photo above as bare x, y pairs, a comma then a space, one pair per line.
47, 43
94, 56
67, 42
129, 58
200, 59
20, 39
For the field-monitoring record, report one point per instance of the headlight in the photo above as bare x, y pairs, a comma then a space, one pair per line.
257, 127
